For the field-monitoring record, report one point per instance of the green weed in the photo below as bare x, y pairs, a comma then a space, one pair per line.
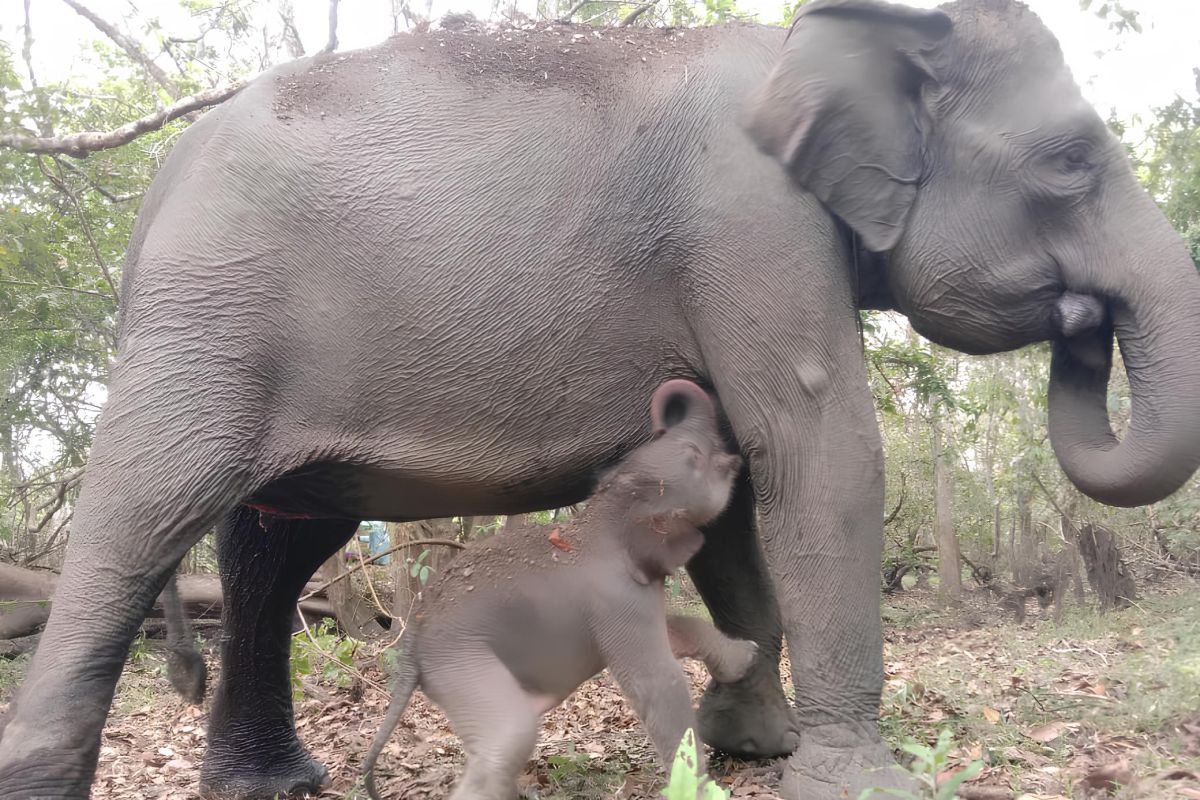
321, 652
928, 764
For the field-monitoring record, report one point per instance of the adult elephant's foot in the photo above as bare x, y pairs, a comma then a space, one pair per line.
260, 772
840, 760
750, 718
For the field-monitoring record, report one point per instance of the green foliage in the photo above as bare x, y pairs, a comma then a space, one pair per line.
687, 782
322, 653
1170, 168
568, 766
928, 764
1118, 17
139, 649
790, 7
419, 569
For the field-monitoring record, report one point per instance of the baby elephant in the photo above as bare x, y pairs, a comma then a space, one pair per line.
517, 622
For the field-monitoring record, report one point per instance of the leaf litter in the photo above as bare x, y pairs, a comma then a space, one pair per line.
1100, 707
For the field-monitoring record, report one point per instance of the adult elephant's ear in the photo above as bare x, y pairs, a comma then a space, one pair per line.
842, 109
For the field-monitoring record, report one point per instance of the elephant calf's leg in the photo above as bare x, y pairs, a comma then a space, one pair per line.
749, 717
655, 686
496, 719
265, 561
727, 659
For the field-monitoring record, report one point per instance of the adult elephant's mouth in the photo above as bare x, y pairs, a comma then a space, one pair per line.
1074, 314
1084, 329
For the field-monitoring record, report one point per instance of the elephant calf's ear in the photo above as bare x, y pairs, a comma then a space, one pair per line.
841, 109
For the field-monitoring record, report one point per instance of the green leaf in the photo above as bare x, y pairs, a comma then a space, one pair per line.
948, 789
687, 783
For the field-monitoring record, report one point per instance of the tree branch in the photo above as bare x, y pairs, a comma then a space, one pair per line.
80, 145
414, 543
55, 287
331, 45
61, 185
637, 12
131, 48
899, 504
105, 193
573, 10
48, 509
1062, 514
43, 104
291, 37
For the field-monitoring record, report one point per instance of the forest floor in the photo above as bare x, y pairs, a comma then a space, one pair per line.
1098, 706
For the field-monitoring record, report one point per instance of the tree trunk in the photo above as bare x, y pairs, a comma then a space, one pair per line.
355, 615
1025, 554
995, 535
1106, 570
949, 568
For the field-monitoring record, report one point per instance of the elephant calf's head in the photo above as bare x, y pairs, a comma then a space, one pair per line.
956, 142
682, 478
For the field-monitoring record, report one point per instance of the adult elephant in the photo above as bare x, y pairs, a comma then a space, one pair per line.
332, 264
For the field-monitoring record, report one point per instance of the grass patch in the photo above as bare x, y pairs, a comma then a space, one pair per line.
12, 672
1041, 699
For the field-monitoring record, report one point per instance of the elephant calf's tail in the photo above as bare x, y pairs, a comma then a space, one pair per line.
408, 677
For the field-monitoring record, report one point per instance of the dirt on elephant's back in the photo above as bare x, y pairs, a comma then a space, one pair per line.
591, 62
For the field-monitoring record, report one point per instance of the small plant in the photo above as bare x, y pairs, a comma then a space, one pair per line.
928, 764
419, 569
567, 766
687, 783
322, 652
139, 649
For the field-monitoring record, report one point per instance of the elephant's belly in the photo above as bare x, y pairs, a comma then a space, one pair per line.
344, 491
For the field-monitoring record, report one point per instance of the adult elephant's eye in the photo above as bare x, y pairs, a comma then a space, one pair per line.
1076, 157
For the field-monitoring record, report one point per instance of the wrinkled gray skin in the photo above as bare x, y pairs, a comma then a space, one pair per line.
333, 262
517, 622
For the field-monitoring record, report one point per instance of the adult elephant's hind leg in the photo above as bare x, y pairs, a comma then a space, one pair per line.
750, 717
253, 750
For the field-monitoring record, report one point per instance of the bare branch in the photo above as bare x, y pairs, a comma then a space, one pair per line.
105, 193
52, 541
637, 12
331, 45
291, 37
376, 557
43, 103
1062, 514
61, 185
573, 10
131, 48
57, 288
48, 509
81, 144
899, 504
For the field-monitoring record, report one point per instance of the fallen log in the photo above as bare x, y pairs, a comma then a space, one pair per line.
11, 648
200, 595
23, 619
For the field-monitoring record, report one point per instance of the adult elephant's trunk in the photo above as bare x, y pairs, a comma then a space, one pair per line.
1153, 301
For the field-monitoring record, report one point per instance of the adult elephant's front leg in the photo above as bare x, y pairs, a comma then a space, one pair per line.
788, 369
253, 751
819, 475
751, 717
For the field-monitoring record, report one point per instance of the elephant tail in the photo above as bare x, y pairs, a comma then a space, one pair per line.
185, 666
408, 677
